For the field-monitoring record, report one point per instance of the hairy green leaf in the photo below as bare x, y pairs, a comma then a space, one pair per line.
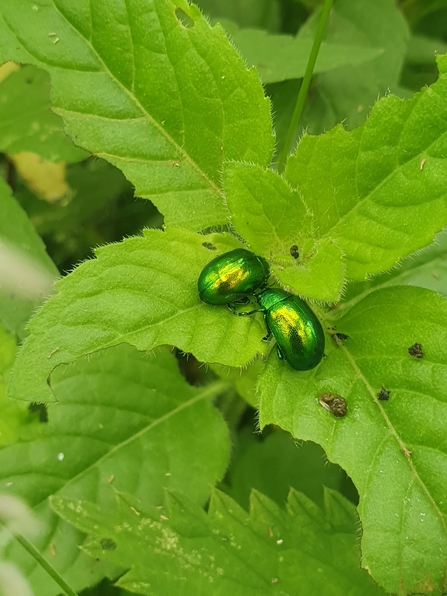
395, 450
317, 274
164, 101
426, 269
124, 420
264, 209
27, 123
272, 217
379, 191
23, 254
181, 549
142, 291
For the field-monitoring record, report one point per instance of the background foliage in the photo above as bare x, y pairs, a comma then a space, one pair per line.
149, 460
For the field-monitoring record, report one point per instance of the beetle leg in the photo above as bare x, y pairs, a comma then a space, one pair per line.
269, 333
243, 300
278, 351
244, 313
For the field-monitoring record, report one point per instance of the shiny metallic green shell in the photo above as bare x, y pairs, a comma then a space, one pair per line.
298, 332
232, 276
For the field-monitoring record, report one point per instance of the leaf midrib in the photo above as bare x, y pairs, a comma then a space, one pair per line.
396, 436
206, 393
151, 120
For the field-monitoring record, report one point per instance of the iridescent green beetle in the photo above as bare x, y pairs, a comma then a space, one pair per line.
296, 328
233, 277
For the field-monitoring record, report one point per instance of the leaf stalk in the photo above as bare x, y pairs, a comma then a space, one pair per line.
46, 565
301, 98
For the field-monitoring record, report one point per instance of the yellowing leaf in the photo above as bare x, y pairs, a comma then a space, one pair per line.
44, 178
7, 68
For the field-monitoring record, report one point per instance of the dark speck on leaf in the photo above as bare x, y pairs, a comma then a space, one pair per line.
383, 394
341, 336
416, 351
208, 245
294, 251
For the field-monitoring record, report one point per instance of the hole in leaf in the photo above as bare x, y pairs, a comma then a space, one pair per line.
209, 246
184, 19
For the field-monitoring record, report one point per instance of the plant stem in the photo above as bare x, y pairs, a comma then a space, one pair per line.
45, 564
297, 112
266, 14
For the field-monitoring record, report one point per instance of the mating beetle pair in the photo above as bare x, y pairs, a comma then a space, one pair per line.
233, 277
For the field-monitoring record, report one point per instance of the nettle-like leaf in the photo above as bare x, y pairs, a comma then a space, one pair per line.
154, 90
124, 419
17, 303
379, 191
372, 196
272, 217
426, 269
142, 291
394, 449
27, 121
182, 549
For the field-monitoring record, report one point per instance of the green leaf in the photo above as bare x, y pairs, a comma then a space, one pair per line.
142, 291
16, 301
98, 209
272, 216
124, 420
282, 57
346, 94
275, 464
7, 40
243, 380
395, 451
246, 13
27, 123
13, 414
264, 209
93, 184
422, 50
379, 191
164, 102
426, 269
227, 551
318, 274
417, 11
